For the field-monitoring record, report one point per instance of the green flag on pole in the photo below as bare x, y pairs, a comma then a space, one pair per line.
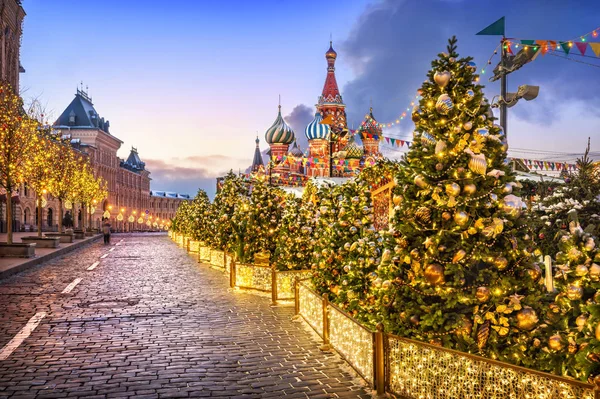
495, 29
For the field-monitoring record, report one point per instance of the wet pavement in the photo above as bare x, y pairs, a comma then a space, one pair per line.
148, 321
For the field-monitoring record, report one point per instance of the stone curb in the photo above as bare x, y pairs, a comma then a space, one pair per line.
39, 260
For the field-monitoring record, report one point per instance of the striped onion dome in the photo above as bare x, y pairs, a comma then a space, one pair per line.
280, 132
317, 130
353, 150
295, 151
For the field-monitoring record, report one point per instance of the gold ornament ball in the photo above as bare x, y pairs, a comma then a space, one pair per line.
442, 248
595, 272
420, 181
597, 332
574, 292
461, 218
435, 341
446, 216
414, 320
501, 262
534, 272
452, 189
572, 348
469, 189
483, 294
468, 126
397, 199
580, 321
556, 342
527, 319
508, 188
581, 270
439, 167
386, 284
434, 274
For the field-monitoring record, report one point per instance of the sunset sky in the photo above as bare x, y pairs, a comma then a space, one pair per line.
190, 83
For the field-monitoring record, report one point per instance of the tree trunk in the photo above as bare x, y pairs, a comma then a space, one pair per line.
60, 215
9, 212
40, 214
90, 221
83, 216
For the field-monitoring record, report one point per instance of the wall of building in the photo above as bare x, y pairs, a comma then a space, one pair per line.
11, 19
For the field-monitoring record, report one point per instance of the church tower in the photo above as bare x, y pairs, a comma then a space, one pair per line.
279, 137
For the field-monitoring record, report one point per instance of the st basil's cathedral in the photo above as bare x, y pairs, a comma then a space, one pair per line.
329, 140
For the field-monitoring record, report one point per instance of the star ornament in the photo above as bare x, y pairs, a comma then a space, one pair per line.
428, 242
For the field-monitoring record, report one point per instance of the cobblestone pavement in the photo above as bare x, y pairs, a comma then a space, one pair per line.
149, 321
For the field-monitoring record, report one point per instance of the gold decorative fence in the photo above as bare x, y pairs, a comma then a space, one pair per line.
179, 239
257, 277
415, 370
285, 282
228, 263
204, 253
217, 258
194, 246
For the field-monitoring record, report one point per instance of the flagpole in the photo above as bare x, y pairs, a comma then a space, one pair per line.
503, 90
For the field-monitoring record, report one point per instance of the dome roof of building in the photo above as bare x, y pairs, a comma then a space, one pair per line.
317, 130
370, 126
331, 52
295, 151
353, 150
280, 132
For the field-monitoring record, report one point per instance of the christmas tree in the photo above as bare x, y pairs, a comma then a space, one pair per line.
580, 192
572, 338
230, 193
346, 250
294, 241
257, 221
461, 271
200, 215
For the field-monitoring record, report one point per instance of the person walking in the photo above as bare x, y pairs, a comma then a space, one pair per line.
106, 231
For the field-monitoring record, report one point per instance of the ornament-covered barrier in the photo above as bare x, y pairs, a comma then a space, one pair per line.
204, 253
413, 369
179, 239
217, 258
194, 246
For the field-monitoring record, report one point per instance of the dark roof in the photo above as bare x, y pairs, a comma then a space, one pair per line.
257, 161
166, 194
84, 113
133, 162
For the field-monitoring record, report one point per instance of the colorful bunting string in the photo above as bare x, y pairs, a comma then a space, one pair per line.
396, 121
533, 164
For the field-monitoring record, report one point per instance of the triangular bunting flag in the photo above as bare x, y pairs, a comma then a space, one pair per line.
527, 42
565, 46
542, 45
582, 46
552, 45
595, 48
387, 139
495, 29
393, 141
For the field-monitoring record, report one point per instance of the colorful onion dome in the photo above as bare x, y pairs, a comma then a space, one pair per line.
280, 132
353, 150
317, 130
370, 126
295, 151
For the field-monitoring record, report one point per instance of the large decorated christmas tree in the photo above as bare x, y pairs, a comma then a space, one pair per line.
346, 249
461, 272
230, 194
294, 242
572, 338
201, 217
257, 221
580, 193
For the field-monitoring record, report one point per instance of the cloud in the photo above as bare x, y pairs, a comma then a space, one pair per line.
390, 55
188, 175
300, 116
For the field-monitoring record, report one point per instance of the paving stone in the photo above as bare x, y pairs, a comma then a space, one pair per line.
157, 325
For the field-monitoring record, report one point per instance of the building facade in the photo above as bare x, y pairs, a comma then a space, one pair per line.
333, 150
11, 20
130, 204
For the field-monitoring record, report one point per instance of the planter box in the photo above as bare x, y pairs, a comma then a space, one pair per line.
19, 250
43, 242
64, 237
90, 233
78, 235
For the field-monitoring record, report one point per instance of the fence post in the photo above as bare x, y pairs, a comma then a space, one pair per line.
224, 258
326, 347
187, 247
379, 361
232, 274
273, 286
296, 299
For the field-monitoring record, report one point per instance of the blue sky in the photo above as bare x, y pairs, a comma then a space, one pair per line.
190, 83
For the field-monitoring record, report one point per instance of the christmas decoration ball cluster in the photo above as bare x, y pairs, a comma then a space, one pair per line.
457, 266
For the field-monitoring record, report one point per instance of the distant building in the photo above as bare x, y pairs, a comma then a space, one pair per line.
11, 20
329, 139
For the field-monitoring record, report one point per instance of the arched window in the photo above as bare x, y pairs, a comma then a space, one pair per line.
49, 217
26, 216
